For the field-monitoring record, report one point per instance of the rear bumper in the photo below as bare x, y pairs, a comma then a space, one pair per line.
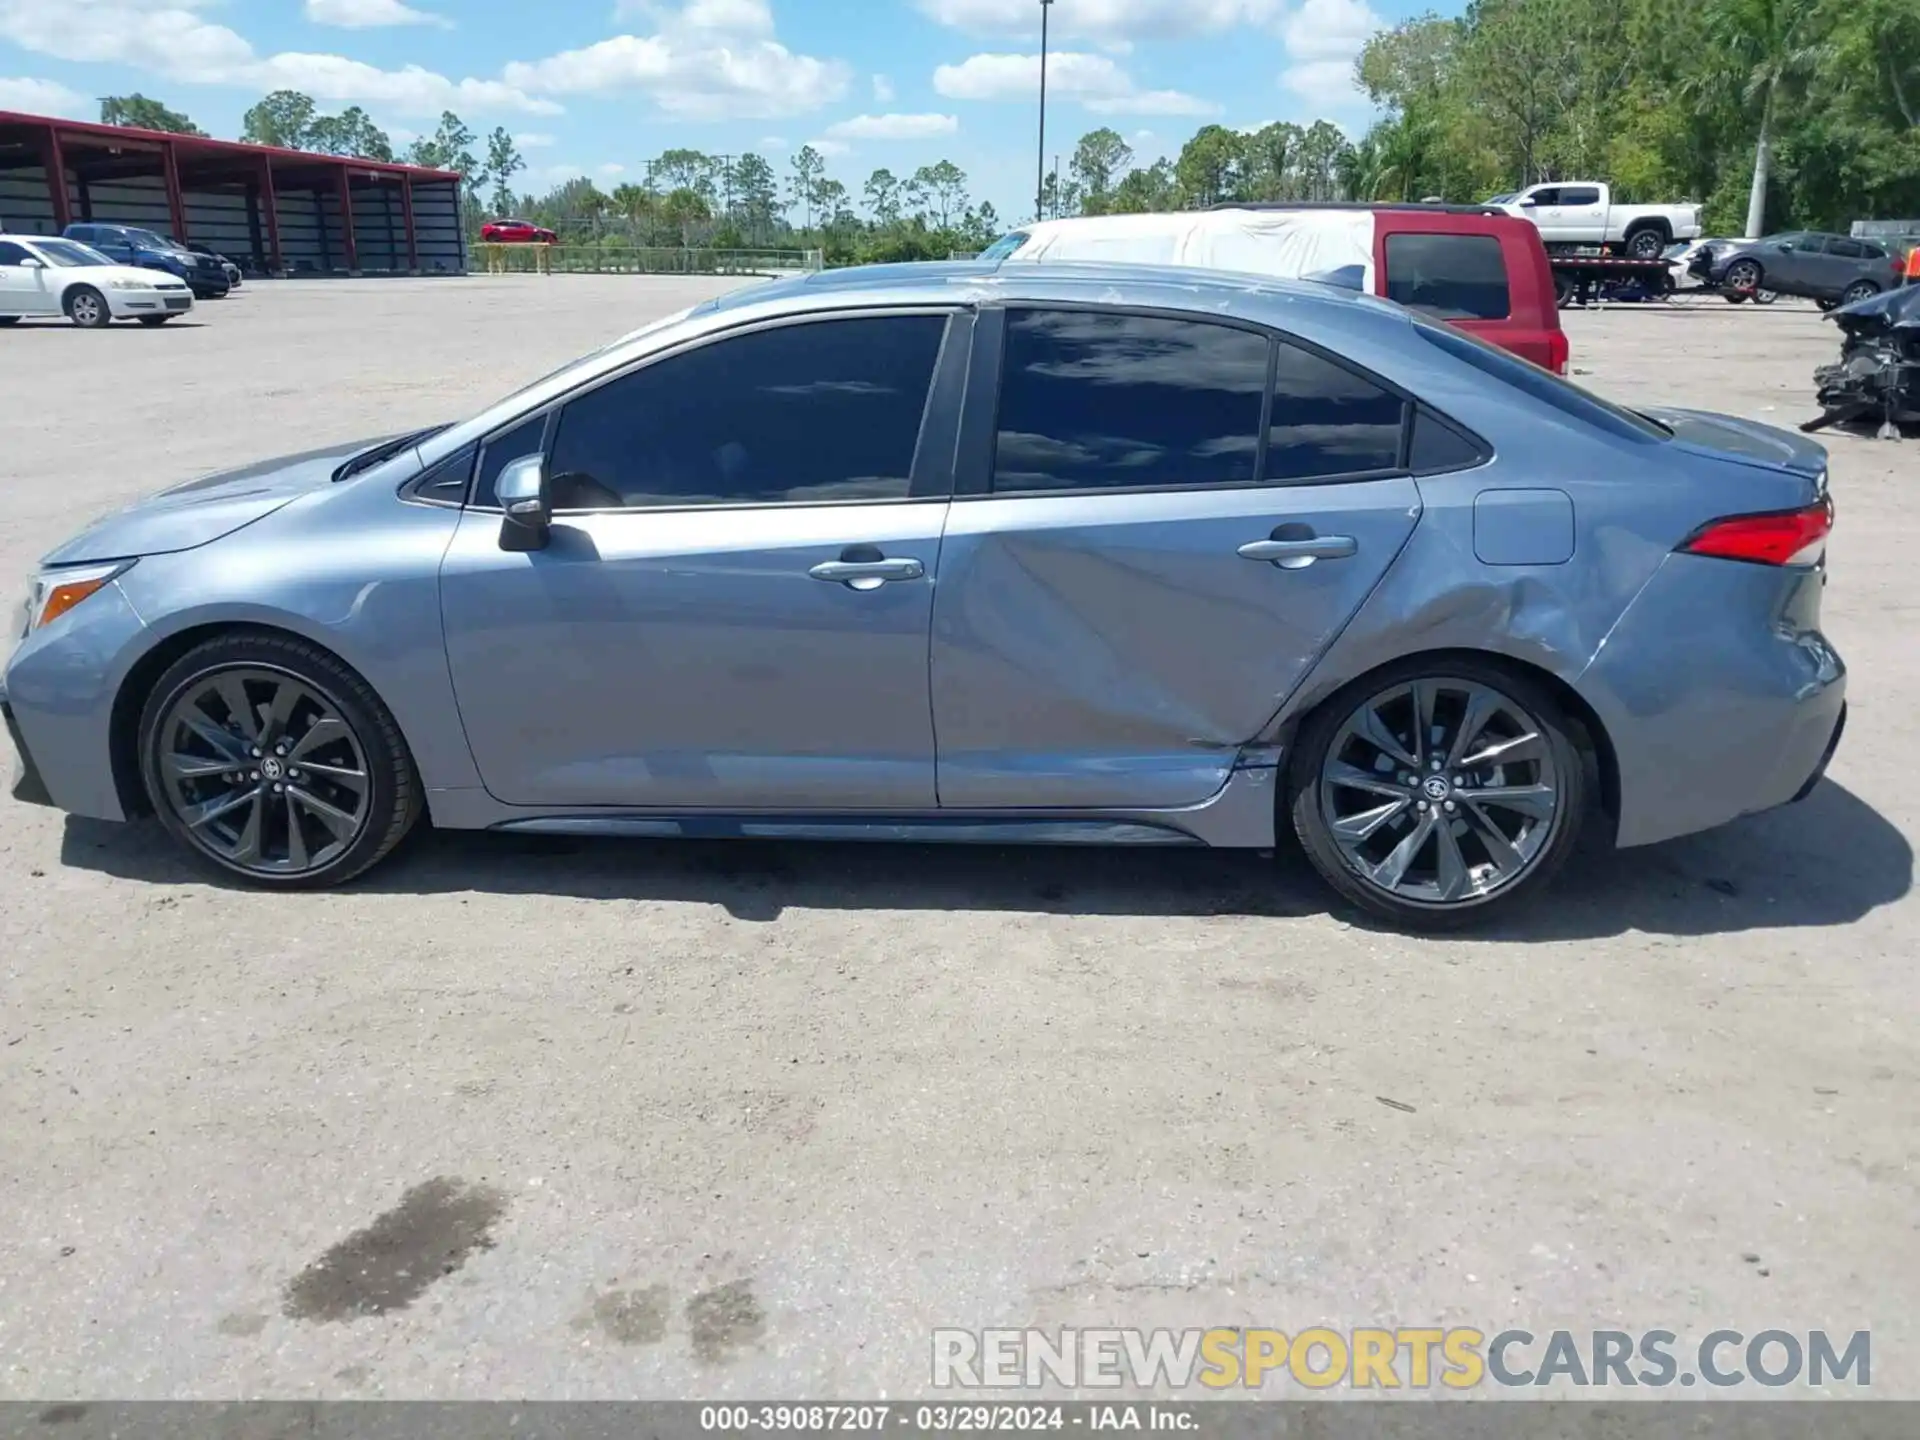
1713, 716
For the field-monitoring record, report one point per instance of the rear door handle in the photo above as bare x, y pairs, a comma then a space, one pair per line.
868, 574
1298, 554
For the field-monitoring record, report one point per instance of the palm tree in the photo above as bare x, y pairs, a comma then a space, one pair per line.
1760, 46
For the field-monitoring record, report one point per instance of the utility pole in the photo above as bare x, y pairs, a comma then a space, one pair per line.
1040, 180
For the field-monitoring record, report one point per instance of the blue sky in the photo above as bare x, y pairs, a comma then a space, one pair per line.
596, 87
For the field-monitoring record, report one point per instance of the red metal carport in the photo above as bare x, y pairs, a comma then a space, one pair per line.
288, 211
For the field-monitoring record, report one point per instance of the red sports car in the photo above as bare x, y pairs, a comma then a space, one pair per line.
516, 232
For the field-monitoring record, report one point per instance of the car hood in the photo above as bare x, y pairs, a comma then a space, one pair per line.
203, 510
100, 274
1748, 440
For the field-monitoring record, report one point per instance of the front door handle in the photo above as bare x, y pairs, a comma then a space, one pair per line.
866, 574
1298, 554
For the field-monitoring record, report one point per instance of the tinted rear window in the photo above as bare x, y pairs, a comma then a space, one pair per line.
1542, 385
1453, 277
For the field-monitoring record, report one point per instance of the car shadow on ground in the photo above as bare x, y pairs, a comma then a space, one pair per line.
1827, 861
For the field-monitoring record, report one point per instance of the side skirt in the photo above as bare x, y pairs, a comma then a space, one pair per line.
1239, 816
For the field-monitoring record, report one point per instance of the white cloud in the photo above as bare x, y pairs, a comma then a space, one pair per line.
1096, 81
46, 97
831, 148
893, 127
169, 39
773, 142
882, 90
710, 59
1113, 23
612, 168
1322, 38
534, 140
370, 14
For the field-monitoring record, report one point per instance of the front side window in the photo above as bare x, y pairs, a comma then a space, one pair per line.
1452, 277
813, 413
1328, 421
1093, 401
12, 254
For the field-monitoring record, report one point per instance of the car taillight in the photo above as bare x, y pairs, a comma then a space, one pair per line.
1558, 351
1781, 537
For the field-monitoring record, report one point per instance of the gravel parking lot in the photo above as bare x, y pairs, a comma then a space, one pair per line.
638, 1119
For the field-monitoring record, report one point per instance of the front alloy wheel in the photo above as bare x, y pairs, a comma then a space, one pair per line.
1436, 796
269, 758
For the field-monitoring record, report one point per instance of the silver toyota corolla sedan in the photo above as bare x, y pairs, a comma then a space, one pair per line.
1102, 555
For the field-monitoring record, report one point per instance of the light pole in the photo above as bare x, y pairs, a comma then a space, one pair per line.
1040, 176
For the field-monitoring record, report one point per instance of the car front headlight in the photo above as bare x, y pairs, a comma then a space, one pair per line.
128, 285
57, 591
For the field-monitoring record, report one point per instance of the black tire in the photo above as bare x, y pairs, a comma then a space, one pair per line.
1737, 297
1859, 290
9, 319
1563, 291
87, 308
1826, 305
393, 798
1563, 765
1745, 275
154, 320
1646, 243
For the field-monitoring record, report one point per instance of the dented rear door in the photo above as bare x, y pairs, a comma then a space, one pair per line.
1103, 644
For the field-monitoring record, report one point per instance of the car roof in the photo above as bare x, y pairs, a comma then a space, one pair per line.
1182, 287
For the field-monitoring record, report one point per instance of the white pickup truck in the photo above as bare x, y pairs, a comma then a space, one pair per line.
1582, 212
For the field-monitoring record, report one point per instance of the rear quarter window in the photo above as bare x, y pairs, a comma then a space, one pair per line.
1541, 385
1451, 277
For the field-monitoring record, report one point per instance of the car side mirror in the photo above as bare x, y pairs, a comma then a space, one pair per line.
1785, 246
32, 264
1528, 200
526, 504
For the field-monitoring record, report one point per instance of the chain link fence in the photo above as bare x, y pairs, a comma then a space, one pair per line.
602, 258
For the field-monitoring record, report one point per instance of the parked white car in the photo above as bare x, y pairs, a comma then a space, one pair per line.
1582, 212
45, 275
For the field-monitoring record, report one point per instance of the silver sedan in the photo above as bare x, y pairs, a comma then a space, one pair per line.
1060, 555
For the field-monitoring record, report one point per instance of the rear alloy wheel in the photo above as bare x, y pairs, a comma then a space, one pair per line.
273, 761
1646, 244
1744, 275
1858, 291
1438, 794
87, 308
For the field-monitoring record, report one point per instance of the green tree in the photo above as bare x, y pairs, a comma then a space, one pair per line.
882, 192
1762, 47
1155, 187
1520, 58
351, 132
808, 168
283, 118
756, 195
137, 112
1210, 166
945, 184
503, 163
450, 147
1098, 162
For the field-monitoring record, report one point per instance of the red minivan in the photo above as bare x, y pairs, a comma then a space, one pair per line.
1476, 268
1472, 266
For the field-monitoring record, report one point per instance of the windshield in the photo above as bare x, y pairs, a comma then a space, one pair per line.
1004, 246
1542, 385
68, 253
1499, 200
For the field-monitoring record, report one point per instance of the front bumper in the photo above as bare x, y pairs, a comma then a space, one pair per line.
28, 786
127, 304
